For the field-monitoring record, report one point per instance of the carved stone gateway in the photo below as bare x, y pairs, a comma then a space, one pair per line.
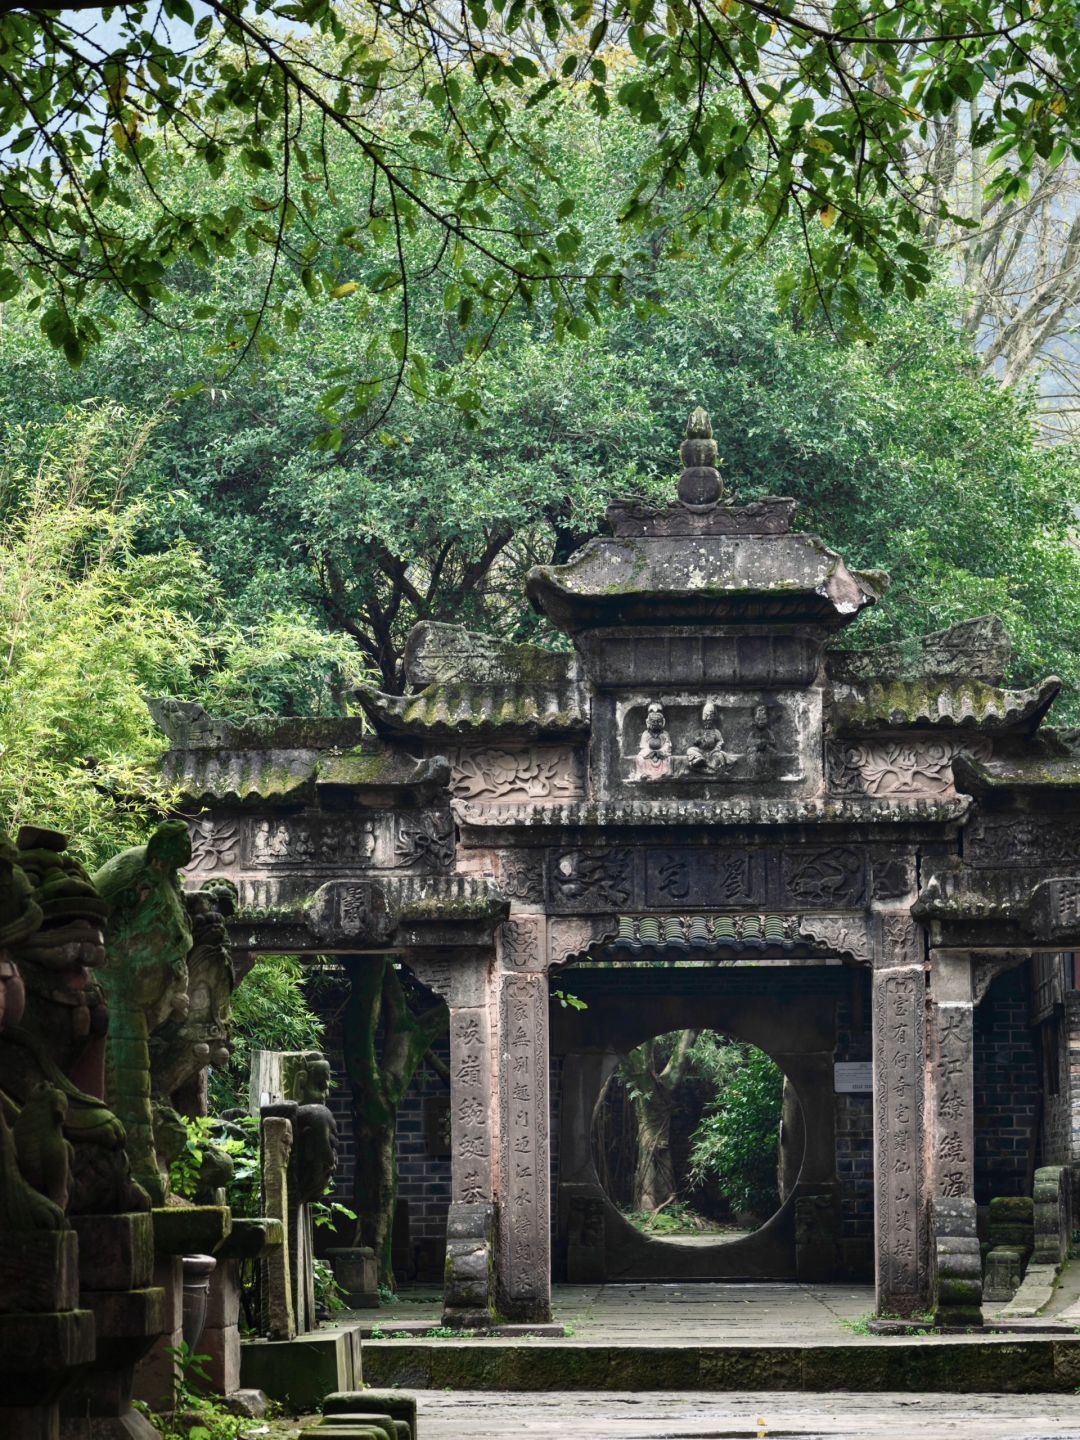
704, 779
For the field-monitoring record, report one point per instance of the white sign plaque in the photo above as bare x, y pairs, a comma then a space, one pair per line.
853, 1077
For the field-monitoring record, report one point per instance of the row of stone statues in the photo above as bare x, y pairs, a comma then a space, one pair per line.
115, 993
114, 999
103, 1043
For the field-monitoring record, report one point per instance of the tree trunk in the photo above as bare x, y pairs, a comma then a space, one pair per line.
654, 1173
378, 1009
652, 1087
375, 1185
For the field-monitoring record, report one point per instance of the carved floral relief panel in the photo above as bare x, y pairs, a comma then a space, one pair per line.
517, 774
215, 847
920, 765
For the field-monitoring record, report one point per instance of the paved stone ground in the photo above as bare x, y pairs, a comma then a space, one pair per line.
678, 1314
708, 1312
480, 1415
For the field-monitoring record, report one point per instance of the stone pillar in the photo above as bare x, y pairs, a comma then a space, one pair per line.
957, 1263
524, 1268
278, 1319
900, 1221
952, 1123
469, 1298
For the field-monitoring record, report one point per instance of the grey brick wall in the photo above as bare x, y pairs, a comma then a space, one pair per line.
854, 1115
1007, 1072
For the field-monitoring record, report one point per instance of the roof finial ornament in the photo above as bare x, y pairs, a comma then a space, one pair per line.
700, 485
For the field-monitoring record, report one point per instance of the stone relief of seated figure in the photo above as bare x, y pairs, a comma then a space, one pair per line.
705, 754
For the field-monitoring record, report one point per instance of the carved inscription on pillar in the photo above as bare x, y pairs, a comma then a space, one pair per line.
524, 1127
898, 1127
470, 1105
953, 1146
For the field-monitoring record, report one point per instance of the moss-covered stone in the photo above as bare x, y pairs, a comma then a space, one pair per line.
190, 1229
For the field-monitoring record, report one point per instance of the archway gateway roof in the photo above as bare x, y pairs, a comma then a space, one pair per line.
702, 751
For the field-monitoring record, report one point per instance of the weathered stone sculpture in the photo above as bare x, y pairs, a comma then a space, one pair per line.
706, 753
306, 1077
654, 752
298, 1168
184, 1045
34, 1150
43, 1336
59, 1038
146, 977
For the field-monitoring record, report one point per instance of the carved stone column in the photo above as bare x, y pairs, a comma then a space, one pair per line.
900, 1223
466, 982
524, 1165
957, 1264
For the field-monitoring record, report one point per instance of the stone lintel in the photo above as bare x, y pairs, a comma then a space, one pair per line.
390, 913
490, 824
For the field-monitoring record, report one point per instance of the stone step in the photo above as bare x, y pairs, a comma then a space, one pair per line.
962, 1364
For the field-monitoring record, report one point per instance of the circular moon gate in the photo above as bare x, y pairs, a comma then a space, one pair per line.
793, 1023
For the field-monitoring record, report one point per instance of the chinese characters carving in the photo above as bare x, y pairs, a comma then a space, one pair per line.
580, 878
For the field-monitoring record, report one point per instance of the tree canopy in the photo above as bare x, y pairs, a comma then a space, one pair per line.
902, 453
142, 138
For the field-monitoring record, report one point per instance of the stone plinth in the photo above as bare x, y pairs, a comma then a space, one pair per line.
116, 1265
300, 1372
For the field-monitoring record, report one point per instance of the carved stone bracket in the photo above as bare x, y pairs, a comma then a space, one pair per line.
841, 934
985, 972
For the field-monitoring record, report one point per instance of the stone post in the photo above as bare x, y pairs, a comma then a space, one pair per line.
278, 1318
469, 1297
899, 1035
524, 1268
957, 1264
